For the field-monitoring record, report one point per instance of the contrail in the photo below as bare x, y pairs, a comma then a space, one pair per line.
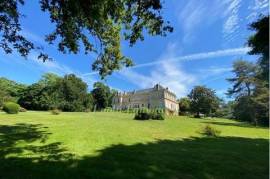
196, 56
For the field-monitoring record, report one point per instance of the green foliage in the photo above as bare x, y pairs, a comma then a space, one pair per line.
251, 81
184, 106
210, 131
10, 90
88, 102
259, 43
11, 108
35, 97
55, 111
203, 100
102, 96
72, 92
157, 116
10, 27
22, 109
142, 115
225, 110
243, 82
4, 97
251, 102
68, 94
108, 109
261, 103
146, 114
244, 109
78, 22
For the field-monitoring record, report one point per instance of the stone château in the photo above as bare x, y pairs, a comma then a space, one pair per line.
152, 98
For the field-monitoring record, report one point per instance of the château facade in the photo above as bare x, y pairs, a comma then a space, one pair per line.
152, 98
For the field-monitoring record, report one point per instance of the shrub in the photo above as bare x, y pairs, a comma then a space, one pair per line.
141, 115
210, 131
108, 109
22, 109
55, 111
145, 114
87, 110
11, 108
157, 116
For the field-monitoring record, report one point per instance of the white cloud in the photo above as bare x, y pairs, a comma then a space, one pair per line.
257, 7
60, 69
167, 74
196, 14
34, 64
231, 25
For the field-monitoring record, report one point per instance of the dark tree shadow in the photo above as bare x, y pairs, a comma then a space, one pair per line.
238, 124
221, 157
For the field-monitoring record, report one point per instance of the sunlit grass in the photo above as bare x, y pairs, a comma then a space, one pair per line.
100, 145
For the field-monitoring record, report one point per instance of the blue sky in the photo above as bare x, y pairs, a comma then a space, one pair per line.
208, 36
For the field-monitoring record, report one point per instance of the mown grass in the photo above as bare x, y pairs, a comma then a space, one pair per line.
113, 145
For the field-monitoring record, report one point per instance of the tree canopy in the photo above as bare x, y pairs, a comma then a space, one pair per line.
92, 25
259, 43
184, 105
68, 94
243, 82
10, 90
102, 95
203, 100
251, 81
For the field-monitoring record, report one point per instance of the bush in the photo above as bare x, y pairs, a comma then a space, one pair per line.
157, 116
142, 116
210, 131
87, 110
145, 114
108, 109
55, 111
11, 108
22, 109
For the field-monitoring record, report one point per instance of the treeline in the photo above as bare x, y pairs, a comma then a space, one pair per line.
68, 93
250, 85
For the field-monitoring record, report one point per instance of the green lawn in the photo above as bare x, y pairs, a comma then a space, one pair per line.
113, 145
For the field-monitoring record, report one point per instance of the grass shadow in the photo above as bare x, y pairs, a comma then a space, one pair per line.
220, 157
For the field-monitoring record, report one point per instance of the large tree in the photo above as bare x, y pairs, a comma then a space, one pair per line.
102, 95
72, 93
243, 82
184, 105
68, 94
203, 100
259, 43
251, 81
91, 25
10, 90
